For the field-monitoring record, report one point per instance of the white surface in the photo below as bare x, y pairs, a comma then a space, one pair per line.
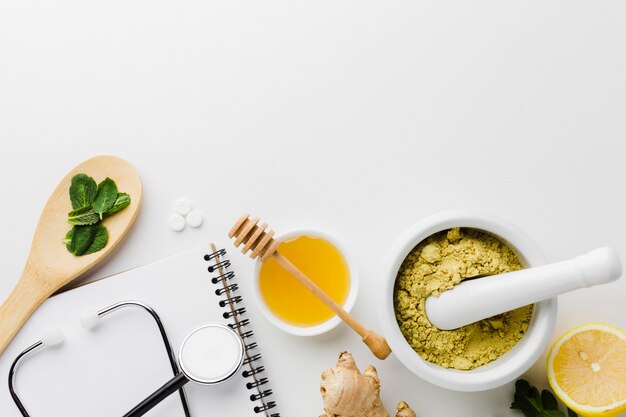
358, 117
505, 368
479, 299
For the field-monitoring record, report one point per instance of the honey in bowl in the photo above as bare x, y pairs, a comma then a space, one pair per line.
287, 298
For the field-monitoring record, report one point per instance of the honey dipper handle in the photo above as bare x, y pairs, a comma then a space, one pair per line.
19, 306
377, 344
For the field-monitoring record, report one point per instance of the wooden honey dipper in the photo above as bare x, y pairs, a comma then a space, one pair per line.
261, 243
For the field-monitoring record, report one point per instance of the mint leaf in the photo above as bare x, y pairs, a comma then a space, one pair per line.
121, 202
571, 413
82, 238
533, 397
548, 400
528, 400
83, 216
522, 401
91, 202
107, 194
68, 238
99, 241
83, 190
551, 413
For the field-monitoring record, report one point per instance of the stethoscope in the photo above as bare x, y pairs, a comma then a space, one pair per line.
209, 355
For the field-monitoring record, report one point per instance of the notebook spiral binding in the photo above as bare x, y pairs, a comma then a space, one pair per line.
230, 302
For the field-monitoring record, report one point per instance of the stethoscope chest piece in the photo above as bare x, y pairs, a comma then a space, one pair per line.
211, 354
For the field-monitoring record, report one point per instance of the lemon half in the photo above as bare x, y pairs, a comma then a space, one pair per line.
587, 369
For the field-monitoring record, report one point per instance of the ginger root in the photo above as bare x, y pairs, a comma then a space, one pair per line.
347, 392
404, 410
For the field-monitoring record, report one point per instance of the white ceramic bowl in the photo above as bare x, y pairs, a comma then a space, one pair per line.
507, 367
332, 322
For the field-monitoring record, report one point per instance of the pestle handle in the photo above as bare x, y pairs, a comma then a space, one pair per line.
474, 300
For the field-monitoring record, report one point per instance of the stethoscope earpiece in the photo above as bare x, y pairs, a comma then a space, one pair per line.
52, 337
89, 319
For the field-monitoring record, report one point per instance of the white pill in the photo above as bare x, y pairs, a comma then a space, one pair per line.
195, 218
177, 222
183, 207
52, 337
89, 319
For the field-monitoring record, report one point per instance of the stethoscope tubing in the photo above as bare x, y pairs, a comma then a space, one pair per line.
170, 354
184, 376
159, 395
105, 311
12, 370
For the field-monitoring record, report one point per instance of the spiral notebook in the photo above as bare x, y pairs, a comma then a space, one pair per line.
106, 371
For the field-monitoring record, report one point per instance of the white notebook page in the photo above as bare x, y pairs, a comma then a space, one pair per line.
108, 370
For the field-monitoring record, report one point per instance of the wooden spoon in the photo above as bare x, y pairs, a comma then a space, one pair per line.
50, 266
262, 244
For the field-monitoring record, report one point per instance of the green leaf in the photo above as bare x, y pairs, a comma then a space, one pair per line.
534, 398
522, 404
121, 202
551, 413
83, 190
82, 238
523, 399
68, 238
548, 400
107, 194
99, 241
83, 216
522, 386
532, 404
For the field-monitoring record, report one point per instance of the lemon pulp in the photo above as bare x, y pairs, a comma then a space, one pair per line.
587, 369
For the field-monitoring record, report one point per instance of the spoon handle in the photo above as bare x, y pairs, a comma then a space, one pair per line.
478, 299
27, 295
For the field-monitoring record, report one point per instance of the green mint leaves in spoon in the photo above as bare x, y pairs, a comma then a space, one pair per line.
107, 194
82, 191
83, 216
121, 202
91, 203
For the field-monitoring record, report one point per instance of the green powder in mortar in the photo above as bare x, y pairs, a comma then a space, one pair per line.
437, 264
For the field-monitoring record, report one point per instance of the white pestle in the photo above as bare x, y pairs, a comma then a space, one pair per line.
477, 299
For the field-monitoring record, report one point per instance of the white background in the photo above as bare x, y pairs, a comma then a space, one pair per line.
358, 117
